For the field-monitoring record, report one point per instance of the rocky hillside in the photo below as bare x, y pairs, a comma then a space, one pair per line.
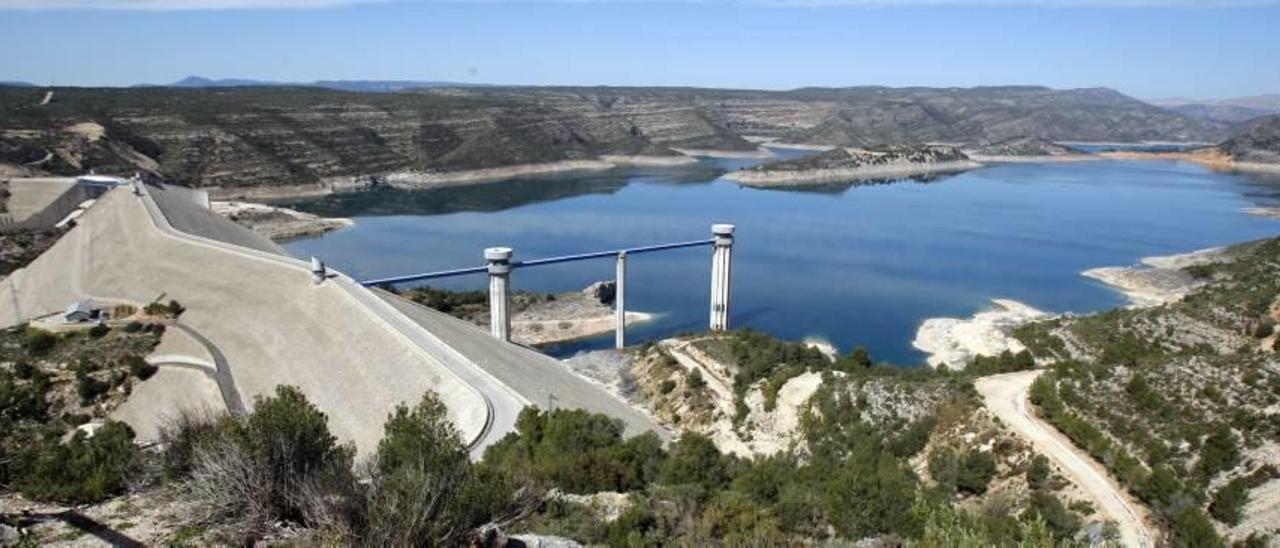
1181, 401
1022, 147
869, 116
1258, 143
282, 136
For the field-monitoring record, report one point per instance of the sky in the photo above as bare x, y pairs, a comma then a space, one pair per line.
1145, 48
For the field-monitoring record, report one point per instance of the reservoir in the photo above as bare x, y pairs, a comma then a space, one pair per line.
851, 264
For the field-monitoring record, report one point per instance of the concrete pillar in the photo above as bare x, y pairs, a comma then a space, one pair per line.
318, 271
620, 303
499, 259
721, 263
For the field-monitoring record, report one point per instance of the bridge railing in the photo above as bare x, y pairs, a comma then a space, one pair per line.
499, 265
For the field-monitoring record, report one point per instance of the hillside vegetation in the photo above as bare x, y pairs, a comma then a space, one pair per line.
1180, 401
274, 136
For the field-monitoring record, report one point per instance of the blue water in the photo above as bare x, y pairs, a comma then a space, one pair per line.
861, 265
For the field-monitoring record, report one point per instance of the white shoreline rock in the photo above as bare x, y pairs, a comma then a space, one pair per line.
954, 342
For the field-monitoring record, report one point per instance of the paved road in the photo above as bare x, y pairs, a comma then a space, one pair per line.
1006, 396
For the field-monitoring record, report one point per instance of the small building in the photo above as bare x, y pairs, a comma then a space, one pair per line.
79, 312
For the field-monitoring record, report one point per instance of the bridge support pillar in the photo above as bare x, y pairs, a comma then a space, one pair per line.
620, 303
499, 259
721, 263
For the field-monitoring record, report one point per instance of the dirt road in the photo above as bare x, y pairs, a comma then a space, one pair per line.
1006, 396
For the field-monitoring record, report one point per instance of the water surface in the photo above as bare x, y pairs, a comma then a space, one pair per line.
856, 265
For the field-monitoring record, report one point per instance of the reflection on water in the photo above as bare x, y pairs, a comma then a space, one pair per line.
853, 265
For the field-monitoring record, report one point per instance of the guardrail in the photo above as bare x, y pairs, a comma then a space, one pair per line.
499, 266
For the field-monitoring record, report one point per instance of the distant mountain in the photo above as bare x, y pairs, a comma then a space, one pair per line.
17, 84
344, 85
252, 133
1233, 110
202, 82
1259, 143
876, 116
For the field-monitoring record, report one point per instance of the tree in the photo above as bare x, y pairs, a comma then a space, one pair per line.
423, 490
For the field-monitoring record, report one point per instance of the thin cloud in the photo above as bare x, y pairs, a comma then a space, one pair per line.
190, 5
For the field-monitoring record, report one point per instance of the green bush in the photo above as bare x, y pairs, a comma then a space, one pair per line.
89, 388
24, 370
1228, 502
133, 327
1038, 472
99, 331
85, 469
694, 459
424, 490
976, 470
38, 341
1061, 521
139, 367
944, 468
577, 451
1191, 528
667, 386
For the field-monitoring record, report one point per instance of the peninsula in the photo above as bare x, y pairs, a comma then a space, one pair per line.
856, 164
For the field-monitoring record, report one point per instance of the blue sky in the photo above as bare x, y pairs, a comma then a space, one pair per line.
1146, 48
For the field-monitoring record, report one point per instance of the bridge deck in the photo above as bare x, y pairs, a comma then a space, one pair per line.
530, 373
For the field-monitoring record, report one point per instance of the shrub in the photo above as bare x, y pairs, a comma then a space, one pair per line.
424, 490
1228, 502
944, 467
1038, 472
85, 469
89, 388
132, 327
577, 451
99, 331
24, 370
278, 463
139, 367
976, 470
667, 386
1192, 528
694, 459
695, 381
1061, 521
38, 341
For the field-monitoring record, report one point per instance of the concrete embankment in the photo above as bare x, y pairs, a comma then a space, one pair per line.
261, 309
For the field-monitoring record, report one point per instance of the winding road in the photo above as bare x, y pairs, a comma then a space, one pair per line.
1006, 396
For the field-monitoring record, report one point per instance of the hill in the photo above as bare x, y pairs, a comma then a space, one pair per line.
1232, 110
302, 139
1258, 143
344, 85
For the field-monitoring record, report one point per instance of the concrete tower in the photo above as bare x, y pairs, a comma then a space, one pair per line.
721, 263
499, 259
